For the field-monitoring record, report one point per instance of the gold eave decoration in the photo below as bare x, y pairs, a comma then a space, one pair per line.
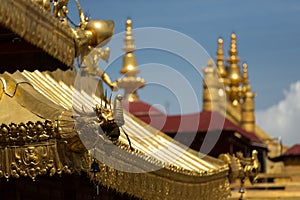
40, 150
38, 27
34, 148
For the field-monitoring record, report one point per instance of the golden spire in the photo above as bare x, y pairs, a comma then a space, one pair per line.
248, 106
129, 60
220, 59
129, 82
129, 47
234, 74
247, 87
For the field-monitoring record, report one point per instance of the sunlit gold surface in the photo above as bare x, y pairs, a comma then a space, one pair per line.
99, 32
92, 33
129, 64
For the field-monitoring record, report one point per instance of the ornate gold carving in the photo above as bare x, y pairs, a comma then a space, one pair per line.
241, 167
60, 10
30, 160
162, 184
91, 33
29, 150
104, 120
34, 23
52, 156
34, 149
37, 26
27, 133
251, 166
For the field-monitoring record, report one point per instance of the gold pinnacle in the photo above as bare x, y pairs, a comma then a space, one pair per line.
234, 74
233, 59
129, 67
130, 82
129, 47
220, 58
247, 86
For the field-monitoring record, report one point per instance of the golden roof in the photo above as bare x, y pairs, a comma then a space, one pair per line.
181, 172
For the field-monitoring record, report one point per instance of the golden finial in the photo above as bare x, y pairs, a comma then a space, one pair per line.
129, 47
130, 83
248, 106
129, 60
234, 74
220, 59
247, 86
233, 50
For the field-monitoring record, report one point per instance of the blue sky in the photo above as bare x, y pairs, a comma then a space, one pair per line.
268, 40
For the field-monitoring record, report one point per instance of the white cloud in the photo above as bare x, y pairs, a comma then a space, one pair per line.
283, 119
